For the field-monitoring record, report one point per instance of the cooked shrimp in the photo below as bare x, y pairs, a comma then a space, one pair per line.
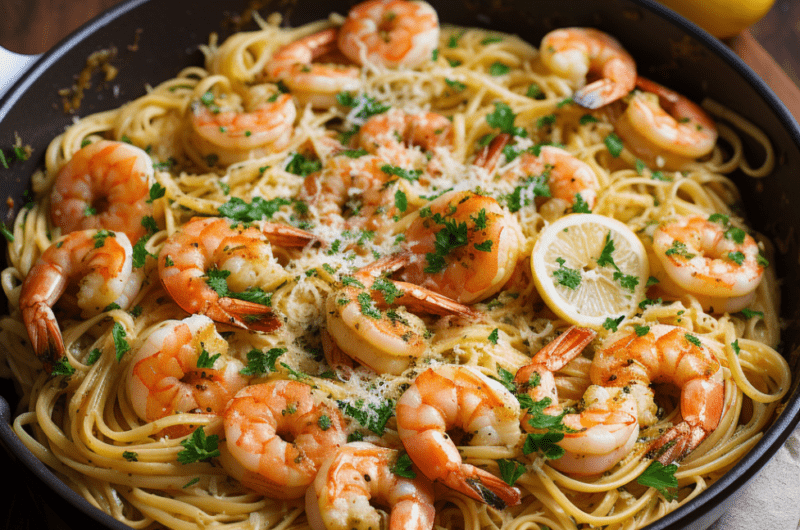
166, 375
576, 52
312, 82
390, 33
357, 475
353, 192
242, 256
462, 245
105, 185
665, 129
227, 136
280, 432
666, 354
459, 397
385, 340
569, 179
709, 259
101, 260
392, 136
607, 427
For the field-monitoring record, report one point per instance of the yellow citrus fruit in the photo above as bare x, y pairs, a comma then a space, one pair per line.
589, 267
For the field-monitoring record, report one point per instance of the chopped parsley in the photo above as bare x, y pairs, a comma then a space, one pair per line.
614, 144
494, 335
612, 324
62, 367
403, 466
206, 360
199, 447
300, 165
260, 362
503, 118
497, 69
511, 470
565, 276
121, 345
372, 417
660, 477
256, 210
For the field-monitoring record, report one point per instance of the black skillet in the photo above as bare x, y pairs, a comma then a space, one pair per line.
154, 39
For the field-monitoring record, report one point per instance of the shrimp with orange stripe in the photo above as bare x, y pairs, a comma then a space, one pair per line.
459, 397
168, 375
242, 258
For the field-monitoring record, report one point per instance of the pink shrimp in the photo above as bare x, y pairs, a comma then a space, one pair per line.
459, 397
101, 260
607, 427
311, 82
278, 434
166, 375
390, 33
392, 136
576, 52
665, 129
244, 257
718, 263
483, 246
105, 185
359, 474
352, 192
667, 354
386, 341
225, 136
569, 179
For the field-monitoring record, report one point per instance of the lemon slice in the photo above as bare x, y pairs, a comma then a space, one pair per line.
589, 267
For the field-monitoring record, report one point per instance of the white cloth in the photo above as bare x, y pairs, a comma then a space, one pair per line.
771, 500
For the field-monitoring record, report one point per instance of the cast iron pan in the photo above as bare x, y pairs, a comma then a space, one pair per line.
156, 38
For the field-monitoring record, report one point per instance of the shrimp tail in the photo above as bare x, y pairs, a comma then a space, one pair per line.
421, 299
483, 486
489, 156
557, 353
676, 443
286, 236
244, 314
45, 335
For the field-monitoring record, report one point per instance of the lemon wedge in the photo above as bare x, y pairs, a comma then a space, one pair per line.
590, 267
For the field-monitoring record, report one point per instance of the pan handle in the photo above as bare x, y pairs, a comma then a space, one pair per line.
12, 66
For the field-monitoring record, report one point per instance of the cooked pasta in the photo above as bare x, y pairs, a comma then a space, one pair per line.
330, 224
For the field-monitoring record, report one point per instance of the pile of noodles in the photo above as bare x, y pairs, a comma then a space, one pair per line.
84, 428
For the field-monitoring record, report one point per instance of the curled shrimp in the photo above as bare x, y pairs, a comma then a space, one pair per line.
358, 474
225, 136
665, 129
370, 318
577, 52
607, 426
459, 397
353, 192
242, 258
392, 136
462, 245
311, 82
569, 179
390, 33
718, 263
166, 374
666, 354
101, 260
105, 185
277, 435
